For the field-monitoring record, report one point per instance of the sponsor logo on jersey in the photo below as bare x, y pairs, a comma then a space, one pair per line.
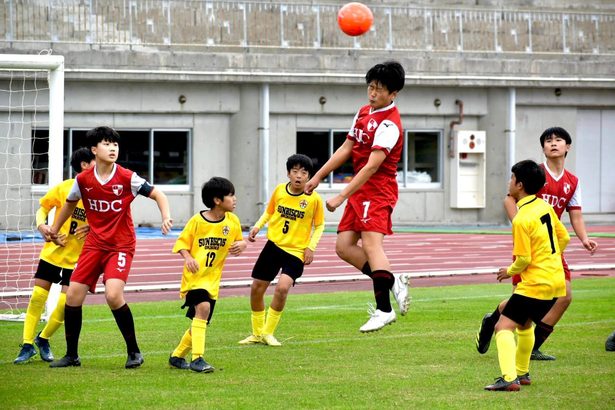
117, 189
226, 230
79, 214
212, 243
303, 204
100, 205
554, 200
290, 213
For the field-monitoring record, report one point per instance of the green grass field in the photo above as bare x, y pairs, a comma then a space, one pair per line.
425, 360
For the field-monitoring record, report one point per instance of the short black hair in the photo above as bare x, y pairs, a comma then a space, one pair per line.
79, 156
558, 132
530, 174
216, 187
98, 134
302, 160
390, 74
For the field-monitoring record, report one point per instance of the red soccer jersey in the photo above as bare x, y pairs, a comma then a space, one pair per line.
107, 207
562, 192
379, 129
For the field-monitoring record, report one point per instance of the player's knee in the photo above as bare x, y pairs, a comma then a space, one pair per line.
342, 252
115, 300
565, 301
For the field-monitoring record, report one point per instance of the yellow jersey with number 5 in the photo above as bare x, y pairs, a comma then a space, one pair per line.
291, 219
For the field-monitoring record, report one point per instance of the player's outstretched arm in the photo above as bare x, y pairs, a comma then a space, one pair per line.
163, 204
578, 224
341, 155
376, 158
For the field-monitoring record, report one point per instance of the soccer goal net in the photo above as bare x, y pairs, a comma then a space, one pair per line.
31, 160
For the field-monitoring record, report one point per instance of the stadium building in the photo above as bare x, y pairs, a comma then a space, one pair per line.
232, 88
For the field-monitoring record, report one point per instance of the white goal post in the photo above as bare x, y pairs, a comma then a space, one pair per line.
25, 105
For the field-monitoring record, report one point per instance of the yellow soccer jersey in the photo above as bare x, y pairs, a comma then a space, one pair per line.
540, 235
291, 218
208, 242
64, 257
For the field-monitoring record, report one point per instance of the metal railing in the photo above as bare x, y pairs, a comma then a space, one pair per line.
189, 23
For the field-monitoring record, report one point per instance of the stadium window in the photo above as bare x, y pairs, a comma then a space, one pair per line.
159, 155
319, 146
420, 165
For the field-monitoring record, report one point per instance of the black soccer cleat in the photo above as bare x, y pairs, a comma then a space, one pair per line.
201, 366
502, 385
524, 379
26, 352
44, 348
66, 361
609, 345
484, 334
178, 363
538, 355
134, 360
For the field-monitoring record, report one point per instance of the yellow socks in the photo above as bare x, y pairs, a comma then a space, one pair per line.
34, 312
505, 340
525, 344
56, 319
258, 322
273, 318
184, 345
198, 329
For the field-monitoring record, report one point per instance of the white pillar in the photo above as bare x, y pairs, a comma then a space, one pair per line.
264, 144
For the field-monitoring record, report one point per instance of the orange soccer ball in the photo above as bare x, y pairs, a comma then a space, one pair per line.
355, 19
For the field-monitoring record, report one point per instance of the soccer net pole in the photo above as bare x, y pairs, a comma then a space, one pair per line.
21, 119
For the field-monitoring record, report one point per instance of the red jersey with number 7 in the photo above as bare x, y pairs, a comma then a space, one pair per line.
107, 207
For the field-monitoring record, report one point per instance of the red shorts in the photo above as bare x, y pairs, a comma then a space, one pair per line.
367, 216
517, 278
93, 263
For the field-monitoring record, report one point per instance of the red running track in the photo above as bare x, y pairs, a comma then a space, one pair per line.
433, 259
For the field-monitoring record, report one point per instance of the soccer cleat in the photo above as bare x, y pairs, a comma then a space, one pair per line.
484, 334
26, 353
178, 362
378, 319
538, 355
66, 361
524, 379
44, 348
134, 360
401, 292
250, 340
609, 345
502, 385
201, 366
270, 340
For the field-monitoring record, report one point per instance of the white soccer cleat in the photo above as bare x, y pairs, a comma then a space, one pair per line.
378, 319
270, 340
250, 340
401, 291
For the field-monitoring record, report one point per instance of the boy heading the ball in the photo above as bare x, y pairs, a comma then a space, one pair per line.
374, 143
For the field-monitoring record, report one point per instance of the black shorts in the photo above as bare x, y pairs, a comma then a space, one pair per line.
273, 259
195, 297
520, 308
52, 273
